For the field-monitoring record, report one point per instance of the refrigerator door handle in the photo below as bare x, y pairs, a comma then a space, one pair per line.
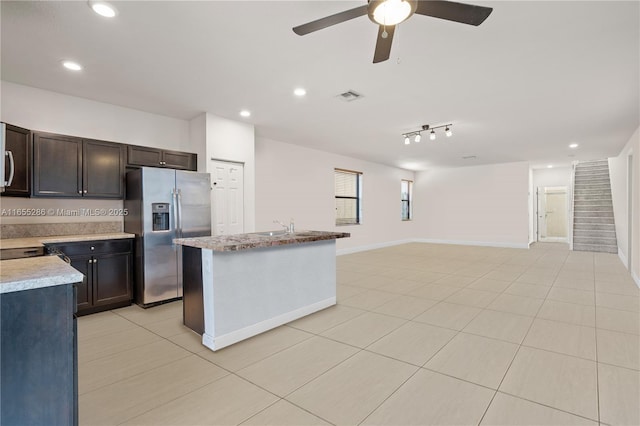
179, 225
174, 199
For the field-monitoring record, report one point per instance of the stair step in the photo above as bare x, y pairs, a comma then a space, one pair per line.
595, 241
592, 197
593, 208
595, 248
609, 227
600, 202
594, 220
592, 213
581, 236
582, 180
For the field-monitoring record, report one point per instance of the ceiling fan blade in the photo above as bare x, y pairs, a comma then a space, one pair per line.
328, 21
452, 11
383, 45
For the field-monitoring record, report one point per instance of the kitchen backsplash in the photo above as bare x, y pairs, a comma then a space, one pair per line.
51, 229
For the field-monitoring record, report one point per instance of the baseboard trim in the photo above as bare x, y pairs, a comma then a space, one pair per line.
636, 278
358, 249
473, 243
218, 342
623, 258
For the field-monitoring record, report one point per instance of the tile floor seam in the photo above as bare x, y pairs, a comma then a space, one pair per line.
595, 320
547, 406
510, 365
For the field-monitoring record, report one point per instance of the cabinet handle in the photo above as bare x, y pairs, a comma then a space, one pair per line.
80, 192
93, 248
85, 191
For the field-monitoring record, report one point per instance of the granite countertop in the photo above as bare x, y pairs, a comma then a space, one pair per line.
13, 243
36, 272
257, 240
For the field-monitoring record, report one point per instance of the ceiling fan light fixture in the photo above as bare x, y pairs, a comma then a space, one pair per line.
391, 12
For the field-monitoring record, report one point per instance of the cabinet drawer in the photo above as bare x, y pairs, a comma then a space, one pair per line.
94, 247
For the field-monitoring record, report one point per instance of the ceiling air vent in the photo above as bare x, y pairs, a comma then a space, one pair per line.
469, 157
349, 96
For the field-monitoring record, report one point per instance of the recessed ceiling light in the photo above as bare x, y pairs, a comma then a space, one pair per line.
300, 91
73, 66
550, 166
245, 113
573, 145
103, 9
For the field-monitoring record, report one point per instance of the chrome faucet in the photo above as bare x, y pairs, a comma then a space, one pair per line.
288, 228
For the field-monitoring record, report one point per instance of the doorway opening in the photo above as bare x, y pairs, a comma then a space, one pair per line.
552, 214
227, 197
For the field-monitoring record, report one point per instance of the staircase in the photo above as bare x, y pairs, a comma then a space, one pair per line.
593, 222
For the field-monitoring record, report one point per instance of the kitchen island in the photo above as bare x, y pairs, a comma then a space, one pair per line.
237, 286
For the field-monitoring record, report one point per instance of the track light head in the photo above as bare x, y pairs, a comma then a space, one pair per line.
418, 137
448, 132
407, 141
432, 135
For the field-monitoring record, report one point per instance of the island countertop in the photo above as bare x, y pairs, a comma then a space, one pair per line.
258, 239
36, 272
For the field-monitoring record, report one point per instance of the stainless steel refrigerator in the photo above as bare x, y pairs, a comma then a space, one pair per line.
163, 204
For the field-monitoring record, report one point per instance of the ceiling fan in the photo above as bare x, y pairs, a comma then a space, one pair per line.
389, 13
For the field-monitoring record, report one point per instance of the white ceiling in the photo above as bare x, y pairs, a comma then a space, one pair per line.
533, 78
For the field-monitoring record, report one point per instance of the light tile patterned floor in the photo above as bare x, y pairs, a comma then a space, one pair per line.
422, 334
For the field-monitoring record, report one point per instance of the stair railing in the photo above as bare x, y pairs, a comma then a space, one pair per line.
572, 187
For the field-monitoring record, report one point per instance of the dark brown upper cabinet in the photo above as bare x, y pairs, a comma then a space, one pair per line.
70, 167
18, 142
154, 157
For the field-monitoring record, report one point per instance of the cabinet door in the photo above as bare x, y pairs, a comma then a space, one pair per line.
103, 169
18, 141
57, 162
179, 160
112, 278
84, 290
143, 156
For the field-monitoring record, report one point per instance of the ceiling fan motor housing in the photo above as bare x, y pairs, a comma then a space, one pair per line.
375, 4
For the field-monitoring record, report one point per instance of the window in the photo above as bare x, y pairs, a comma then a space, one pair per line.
348, 197
406, 197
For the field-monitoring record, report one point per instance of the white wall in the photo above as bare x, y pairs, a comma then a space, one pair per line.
483, 205
46, 111
230, 140
618, 170
296, 182
557, 176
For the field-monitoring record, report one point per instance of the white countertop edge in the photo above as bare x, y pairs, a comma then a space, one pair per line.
36, 272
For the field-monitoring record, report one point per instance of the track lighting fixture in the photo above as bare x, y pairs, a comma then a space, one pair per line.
432, 133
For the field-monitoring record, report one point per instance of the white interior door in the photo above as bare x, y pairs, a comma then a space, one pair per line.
227, 209
552, 214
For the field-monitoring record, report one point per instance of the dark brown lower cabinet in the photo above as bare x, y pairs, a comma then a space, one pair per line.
107, 267
38, 357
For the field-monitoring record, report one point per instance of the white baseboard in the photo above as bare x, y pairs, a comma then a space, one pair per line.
623, 258
218, 342
351, 250
473, 243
